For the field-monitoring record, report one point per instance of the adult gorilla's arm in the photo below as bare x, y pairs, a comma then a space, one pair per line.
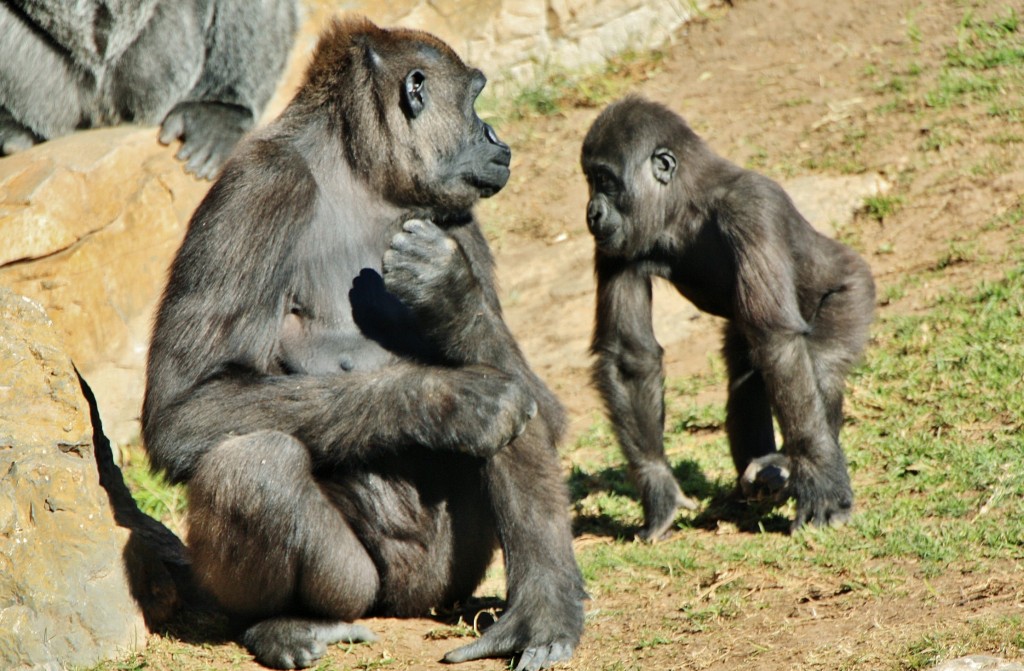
446, 276
210, 370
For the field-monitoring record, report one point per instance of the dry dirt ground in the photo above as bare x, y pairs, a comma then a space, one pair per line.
793, 87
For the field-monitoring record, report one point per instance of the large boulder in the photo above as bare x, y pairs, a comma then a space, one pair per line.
88, 225
81, 569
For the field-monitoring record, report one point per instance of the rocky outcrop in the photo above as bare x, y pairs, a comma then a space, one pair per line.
514, 40
81, 571
88, 225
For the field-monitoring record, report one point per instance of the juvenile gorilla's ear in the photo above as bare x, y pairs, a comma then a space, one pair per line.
663, 164
414, 93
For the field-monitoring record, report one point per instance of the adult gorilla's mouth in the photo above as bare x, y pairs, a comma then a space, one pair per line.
491, 180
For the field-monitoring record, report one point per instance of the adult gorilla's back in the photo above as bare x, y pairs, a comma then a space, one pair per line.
331, 375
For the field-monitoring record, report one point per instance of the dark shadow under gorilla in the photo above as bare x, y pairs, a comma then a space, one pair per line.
799, 306
331, 374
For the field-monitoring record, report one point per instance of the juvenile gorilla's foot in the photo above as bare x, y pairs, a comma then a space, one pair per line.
767, 478
295, 643
208, 131
660, 497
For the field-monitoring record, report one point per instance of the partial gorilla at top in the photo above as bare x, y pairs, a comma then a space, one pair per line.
204, 69
331, 374
798, 305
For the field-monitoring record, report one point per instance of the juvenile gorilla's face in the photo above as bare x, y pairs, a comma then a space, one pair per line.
606, 208
630, 174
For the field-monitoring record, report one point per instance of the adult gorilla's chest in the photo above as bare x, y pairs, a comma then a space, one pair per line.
338, 316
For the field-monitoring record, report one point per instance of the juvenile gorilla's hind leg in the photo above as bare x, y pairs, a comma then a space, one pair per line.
265, 540
763, 472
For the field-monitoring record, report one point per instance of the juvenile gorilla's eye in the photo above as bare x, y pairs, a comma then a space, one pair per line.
605, 182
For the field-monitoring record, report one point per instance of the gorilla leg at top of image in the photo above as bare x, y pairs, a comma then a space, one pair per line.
204, 70
331, 375
798, 305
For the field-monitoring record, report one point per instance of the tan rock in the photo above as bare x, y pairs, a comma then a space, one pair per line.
64, 593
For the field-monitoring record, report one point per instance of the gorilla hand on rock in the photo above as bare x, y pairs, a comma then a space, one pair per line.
208, 131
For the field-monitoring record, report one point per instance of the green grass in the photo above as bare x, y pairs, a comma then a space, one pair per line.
984, 65
933, 438
153, 494
882, 206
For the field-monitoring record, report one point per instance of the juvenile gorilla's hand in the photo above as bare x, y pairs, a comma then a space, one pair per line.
476, 409
428, 271
208, 131
824, 496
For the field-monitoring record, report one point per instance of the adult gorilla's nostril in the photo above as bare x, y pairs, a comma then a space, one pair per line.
492, 137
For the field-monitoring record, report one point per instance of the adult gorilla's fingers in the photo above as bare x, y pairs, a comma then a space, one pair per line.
422, 226
349, 633
200, 156
172, 128
534, 659
481, 648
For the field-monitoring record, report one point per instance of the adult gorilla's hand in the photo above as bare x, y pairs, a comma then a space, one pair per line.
429, 272
208, 131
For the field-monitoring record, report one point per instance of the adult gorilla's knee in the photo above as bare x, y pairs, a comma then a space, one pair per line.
244, 502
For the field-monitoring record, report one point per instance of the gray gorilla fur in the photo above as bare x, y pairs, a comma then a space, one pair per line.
204, 69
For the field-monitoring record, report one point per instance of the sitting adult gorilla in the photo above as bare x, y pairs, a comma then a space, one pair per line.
203, 69
331, 375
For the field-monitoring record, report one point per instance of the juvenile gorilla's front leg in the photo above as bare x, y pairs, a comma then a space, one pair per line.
817, 473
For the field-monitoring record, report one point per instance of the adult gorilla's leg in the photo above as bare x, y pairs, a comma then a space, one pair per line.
763, 472
544, 616
43, 94
265, 540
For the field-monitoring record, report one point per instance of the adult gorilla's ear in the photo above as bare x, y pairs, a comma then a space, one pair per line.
663, 164
414, 93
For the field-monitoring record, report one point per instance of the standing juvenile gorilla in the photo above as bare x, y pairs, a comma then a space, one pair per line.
798, 303
203, 69
355, 443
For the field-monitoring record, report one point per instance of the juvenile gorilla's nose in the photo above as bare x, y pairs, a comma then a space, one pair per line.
595, 215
